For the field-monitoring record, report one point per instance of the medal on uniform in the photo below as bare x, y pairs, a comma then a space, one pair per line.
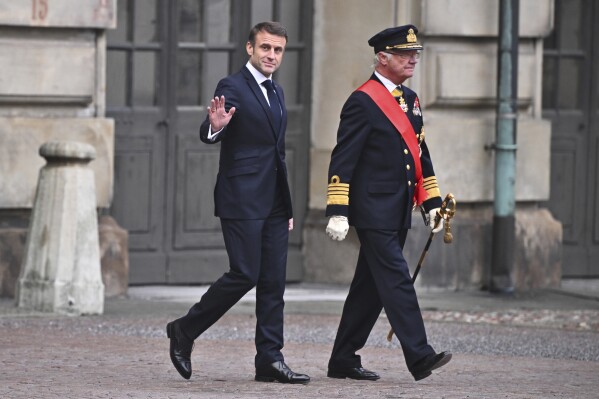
416, 109
403, 105
397, 93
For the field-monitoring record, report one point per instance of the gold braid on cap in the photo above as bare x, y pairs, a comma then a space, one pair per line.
338, 193
412, 42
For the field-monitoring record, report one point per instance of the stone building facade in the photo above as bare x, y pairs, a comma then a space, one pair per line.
456, 82
55, 56
52, 57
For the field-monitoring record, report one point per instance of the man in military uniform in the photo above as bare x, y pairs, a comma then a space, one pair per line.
380, 169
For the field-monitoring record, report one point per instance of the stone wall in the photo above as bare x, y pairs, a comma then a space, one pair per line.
21, 138
114, 257
52, 57
456, 82
461, 265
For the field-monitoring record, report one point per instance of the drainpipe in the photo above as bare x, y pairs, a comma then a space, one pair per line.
505, 149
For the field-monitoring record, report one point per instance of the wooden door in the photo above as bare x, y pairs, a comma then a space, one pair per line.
164, 174
570, 101
136, 81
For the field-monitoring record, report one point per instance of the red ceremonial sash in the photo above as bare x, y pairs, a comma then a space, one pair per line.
387, 103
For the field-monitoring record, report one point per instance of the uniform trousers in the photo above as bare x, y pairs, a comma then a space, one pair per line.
381, 280
257, 252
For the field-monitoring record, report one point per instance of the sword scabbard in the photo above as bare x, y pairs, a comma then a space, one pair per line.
446, 212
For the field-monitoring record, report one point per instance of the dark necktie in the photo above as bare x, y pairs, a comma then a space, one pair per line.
275, 106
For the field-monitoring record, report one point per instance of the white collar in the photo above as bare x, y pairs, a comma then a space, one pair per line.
388, 84
256, 74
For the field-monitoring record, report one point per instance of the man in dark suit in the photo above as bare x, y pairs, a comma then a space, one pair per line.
248, 117
379, 169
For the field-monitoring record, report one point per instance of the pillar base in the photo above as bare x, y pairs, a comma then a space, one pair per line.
61, 266
60, 297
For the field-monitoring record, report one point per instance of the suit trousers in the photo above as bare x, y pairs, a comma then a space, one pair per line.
381, 280
257, 252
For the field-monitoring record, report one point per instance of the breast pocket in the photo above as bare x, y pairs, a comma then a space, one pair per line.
246, 154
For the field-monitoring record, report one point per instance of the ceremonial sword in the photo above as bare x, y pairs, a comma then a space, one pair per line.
446, 212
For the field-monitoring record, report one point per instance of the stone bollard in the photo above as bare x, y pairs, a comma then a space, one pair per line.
61, 267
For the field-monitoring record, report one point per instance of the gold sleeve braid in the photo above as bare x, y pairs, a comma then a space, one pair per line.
431, 186
338, 193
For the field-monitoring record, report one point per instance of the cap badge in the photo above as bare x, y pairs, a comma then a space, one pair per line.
411, 37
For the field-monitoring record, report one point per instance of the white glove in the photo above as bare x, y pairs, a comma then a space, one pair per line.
430, 219
337, 228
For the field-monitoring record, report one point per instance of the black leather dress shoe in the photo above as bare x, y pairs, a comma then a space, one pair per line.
180, 349
425, 367
279, 371
355, 373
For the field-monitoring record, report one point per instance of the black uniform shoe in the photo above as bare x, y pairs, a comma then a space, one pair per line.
180, 349
279, 371
425, 367
355, 373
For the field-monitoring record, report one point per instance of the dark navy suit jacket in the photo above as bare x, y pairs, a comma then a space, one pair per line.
371, 157
252, 167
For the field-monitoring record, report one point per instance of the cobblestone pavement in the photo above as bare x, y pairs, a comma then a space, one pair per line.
574, 320
516, 350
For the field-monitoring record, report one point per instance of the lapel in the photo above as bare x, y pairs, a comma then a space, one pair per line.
262, 100
278, 92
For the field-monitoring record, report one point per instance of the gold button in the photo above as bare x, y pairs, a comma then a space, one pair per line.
405, 151
408, 167
409, 183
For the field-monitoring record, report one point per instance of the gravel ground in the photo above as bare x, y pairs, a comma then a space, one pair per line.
484, 334
127, 357
541, 347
